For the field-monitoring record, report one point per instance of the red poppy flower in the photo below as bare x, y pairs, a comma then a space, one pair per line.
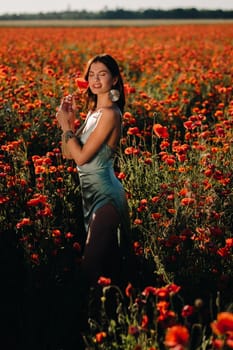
173, 288
177, 336
187, 201
77, 246
160, 131
156, 216
187, 311
138, 221
229, 242
104, 281
132, 150
128, 290
149, 290
133, 330
164, 144
69, 235
224, 324
81, 83
167, 319
145, 321
162, 292
35, 258
4, 199
121, 176
23, 222
99, 337
134, 131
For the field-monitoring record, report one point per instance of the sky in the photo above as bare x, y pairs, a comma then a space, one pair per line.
30, 6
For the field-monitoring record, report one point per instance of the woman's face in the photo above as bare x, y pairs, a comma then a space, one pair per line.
100, 78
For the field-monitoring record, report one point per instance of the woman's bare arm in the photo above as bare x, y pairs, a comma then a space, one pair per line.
108, 125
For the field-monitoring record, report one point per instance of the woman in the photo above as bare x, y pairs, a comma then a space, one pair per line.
92, 148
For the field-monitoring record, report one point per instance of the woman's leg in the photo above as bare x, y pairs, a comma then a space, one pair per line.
102, 253
101, 258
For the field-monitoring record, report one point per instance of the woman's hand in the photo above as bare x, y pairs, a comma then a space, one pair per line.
66, 113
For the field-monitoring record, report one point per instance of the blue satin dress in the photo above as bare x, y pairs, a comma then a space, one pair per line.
99, 184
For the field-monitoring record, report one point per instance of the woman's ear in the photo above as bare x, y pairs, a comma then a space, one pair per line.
115, 80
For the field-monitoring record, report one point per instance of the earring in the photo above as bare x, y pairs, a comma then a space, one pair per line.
114, 95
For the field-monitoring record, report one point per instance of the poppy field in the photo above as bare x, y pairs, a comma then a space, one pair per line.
175, 161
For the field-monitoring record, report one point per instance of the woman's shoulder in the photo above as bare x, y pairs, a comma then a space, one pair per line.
110, 116
111, 111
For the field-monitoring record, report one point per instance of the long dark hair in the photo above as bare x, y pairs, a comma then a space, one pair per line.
113, 67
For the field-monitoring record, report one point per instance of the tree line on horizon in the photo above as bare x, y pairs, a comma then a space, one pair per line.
177, 13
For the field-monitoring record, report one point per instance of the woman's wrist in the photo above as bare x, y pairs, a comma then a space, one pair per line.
67, 135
